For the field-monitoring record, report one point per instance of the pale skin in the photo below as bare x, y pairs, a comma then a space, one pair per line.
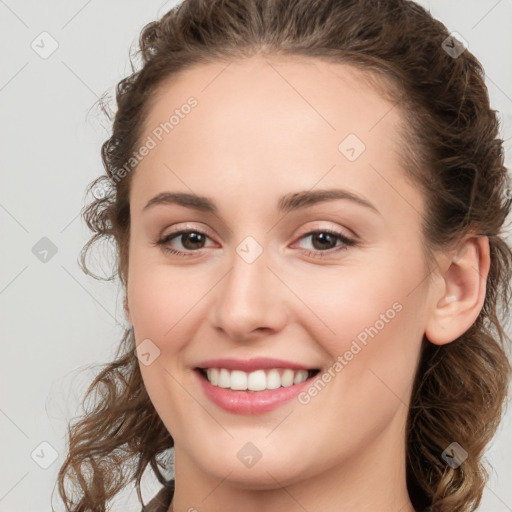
252, 139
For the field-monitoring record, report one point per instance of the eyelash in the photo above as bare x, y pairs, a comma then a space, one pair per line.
347, 242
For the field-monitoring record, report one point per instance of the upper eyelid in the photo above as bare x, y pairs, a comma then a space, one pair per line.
187, 227
351, 234
338, 230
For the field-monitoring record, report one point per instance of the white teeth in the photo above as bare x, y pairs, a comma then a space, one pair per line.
238, 380
273, 379
213, 376
287, 378
258, 380
224, 379
300, 377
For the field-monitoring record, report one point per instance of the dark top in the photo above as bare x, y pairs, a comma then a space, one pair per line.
162, 501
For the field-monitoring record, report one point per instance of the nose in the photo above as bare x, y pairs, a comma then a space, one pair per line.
250, 301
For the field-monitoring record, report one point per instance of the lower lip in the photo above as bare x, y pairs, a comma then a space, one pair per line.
250, 402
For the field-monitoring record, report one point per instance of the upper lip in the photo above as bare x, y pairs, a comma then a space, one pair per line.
248, 365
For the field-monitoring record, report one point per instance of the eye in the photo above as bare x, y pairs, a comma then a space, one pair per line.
192, 240
323, 240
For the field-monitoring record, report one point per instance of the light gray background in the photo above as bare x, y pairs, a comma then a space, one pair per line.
56, 321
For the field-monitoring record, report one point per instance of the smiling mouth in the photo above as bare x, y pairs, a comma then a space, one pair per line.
258, 380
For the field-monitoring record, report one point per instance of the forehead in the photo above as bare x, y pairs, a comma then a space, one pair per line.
285, 122
298, 91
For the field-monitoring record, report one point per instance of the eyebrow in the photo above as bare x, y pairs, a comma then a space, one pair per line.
287, 203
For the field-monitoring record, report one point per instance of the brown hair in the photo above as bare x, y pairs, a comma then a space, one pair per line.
451, 151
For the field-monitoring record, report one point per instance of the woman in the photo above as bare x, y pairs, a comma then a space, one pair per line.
308, 201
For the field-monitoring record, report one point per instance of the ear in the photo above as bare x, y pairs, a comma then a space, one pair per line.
457, 302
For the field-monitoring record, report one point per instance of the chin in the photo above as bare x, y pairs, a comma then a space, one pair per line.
267, 477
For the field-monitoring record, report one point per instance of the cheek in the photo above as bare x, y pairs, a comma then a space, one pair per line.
365, 302
377, 314
159, 295
151, 308
161, 308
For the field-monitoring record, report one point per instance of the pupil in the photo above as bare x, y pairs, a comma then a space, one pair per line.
323, 236
191, 236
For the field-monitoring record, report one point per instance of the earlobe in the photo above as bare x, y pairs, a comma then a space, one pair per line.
456, 307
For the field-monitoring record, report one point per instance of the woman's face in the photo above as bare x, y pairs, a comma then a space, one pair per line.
260, 142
